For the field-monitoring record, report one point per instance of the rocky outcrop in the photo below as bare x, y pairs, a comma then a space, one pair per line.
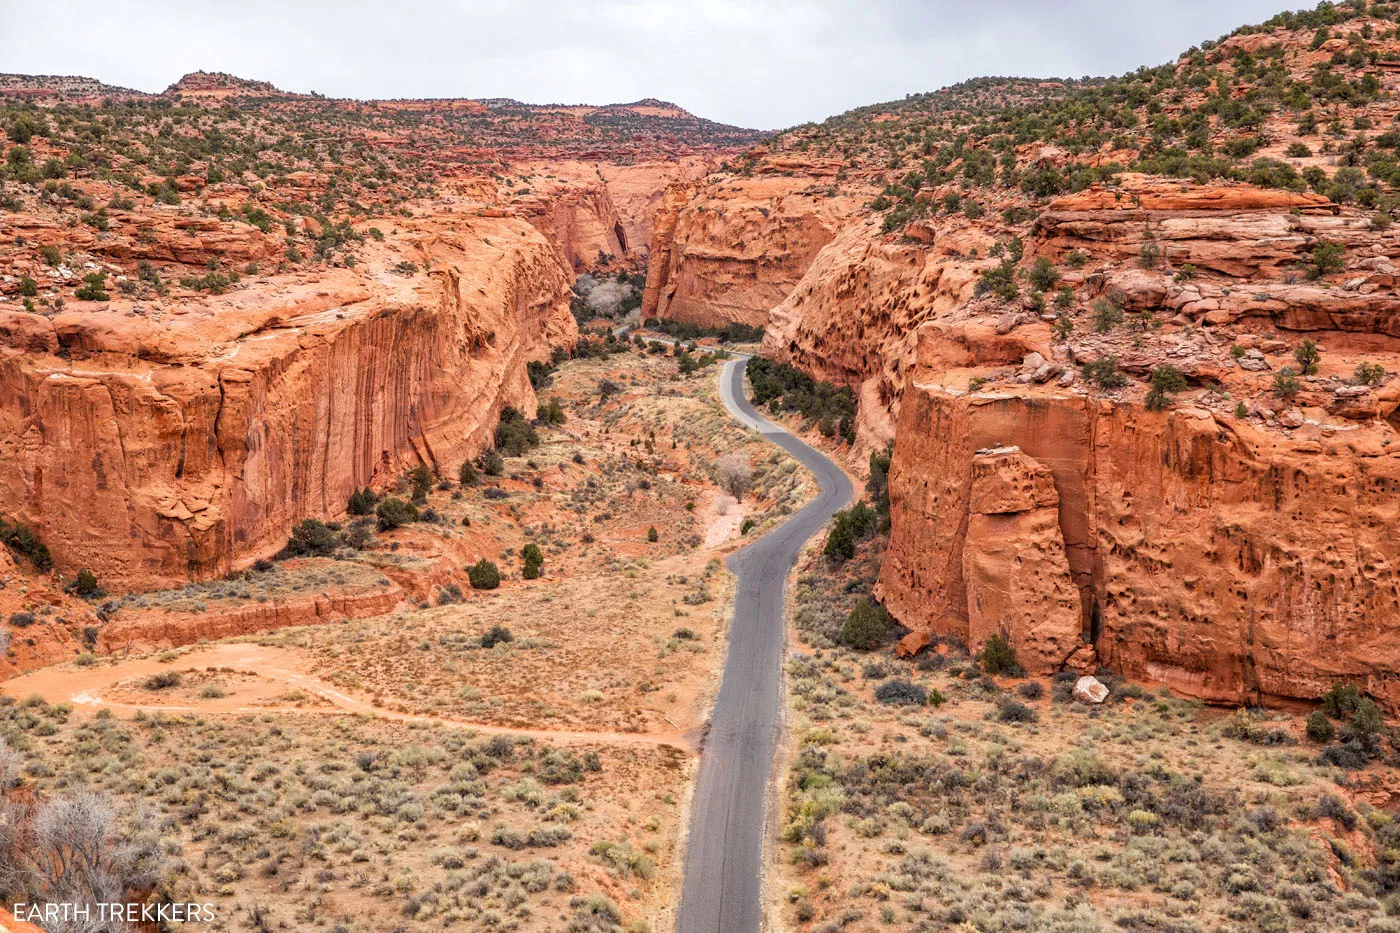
738, 245
154, 445
580, 220
1014, 569
158, 629
1224, 560
854, 318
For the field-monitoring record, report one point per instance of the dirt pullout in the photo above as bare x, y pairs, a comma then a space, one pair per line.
275, 669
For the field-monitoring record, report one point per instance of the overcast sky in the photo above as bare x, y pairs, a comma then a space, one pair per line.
757, 63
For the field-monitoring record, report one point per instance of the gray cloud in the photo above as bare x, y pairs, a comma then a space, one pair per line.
761, 63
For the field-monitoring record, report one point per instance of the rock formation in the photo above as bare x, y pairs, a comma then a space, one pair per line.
730, 250
154, 446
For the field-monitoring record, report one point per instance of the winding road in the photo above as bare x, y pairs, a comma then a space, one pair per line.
722, 886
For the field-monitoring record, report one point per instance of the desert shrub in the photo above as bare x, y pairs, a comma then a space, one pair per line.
734, 473
1368, 374
94, 288
22, 619
420, 481
1247, 727
1104, 373
1341, 700
361, 502
533, 559
22, 542
1031, 690
468, 475
499, 635
1307, 356
1165, 382
85, 585
998, 657
1319, 727
867, 625
652, 534
550, 412
1013, 711
1107, 315
1286, 384
393, 512
514, 435
1327, 259
484, 575
162, 681
899, 692
490, 463
849, 527
1330, 806
1350, 756
310, 538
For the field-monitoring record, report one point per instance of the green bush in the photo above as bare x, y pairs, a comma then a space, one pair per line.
652, 535
1307, 356
499, 635
311, 538
1319, 727
998, 657
533, 559
1327, 259
1166, 381
849, 527
468, 475
867, 626
361, 502
899, 692
393, 512
484, 575
22, 542
1286, 384
1104, 373
420, 481
86, 586
514, 435
94, 287
551, 412
490, 463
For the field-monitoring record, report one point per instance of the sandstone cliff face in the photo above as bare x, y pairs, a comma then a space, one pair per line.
588, 209
854, 317
154, 446
735, 247
579, 219
1221, 559
1014, 567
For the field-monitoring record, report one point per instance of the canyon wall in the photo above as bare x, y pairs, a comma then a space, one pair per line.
728, 250
155, 445
854, 317
1225, 561
592, 209
1233, 544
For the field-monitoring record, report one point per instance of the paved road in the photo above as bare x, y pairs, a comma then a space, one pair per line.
722, 885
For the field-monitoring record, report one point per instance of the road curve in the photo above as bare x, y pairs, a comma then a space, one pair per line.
722, 884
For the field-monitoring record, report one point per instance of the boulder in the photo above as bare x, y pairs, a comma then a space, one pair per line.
912, 644
1089, 690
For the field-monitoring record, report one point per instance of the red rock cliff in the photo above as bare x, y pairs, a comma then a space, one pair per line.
730, 250
1220, 558
153, 446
